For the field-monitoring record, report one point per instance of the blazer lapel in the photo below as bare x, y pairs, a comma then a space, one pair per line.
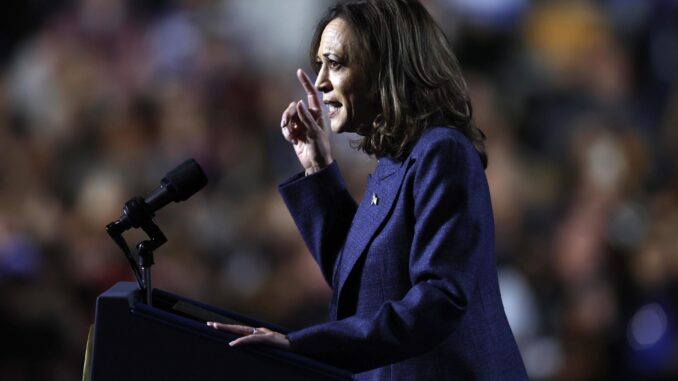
378, 201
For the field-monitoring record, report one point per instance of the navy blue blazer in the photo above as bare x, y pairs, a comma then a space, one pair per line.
412, 268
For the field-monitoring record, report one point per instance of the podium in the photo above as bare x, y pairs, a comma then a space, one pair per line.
170, 341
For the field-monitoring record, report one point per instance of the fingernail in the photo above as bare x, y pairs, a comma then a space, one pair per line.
232, 343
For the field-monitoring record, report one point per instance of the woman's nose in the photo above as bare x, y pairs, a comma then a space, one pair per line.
322, 83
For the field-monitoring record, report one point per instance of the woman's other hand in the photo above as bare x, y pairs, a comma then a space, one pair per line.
305, 128
252, 335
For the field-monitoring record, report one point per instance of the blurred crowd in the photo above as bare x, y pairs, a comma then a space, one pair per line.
100, 98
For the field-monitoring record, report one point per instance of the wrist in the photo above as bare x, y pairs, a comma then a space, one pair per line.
311, 170
317, 166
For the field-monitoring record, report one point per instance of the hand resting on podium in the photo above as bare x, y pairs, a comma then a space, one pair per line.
251, 335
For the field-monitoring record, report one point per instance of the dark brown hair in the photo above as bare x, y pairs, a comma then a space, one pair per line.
412, 72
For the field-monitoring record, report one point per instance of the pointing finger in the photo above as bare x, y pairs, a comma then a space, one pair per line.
313, 97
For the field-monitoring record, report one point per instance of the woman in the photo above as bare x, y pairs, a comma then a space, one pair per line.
412, 267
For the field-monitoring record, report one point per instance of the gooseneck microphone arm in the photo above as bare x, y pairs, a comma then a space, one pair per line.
178, 185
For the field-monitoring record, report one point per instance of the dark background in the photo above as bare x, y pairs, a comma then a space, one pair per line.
99, 98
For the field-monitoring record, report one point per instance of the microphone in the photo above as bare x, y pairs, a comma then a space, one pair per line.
178, 185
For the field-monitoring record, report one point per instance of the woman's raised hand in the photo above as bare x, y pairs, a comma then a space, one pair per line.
305, 128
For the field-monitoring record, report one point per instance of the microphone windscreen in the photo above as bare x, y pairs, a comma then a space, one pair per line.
184, 180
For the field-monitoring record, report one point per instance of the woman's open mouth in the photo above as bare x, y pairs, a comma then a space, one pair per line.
332, 108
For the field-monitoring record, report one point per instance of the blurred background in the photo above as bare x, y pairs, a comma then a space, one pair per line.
100, 98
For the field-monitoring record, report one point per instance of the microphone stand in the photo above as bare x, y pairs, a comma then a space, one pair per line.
139, 216
145, 250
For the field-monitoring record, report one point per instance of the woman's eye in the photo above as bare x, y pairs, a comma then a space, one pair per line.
333, 64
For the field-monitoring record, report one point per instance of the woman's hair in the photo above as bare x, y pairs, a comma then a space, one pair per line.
411, 70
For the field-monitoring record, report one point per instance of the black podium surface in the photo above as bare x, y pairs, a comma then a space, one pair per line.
170, 341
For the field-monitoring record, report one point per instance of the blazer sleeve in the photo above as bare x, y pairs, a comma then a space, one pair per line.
453, 238
322, 209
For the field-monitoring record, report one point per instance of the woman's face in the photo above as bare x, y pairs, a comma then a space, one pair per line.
341, 81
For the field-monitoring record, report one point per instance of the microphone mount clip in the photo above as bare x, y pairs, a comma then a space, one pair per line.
136, 214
